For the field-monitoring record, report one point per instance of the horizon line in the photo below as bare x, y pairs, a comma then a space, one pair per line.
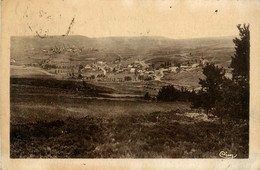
141, 36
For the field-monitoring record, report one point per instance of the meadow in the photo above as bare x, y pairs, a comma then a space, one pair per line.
53, 122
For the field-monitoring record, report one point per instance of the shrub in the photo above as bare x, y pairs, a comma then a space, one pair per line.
147, 96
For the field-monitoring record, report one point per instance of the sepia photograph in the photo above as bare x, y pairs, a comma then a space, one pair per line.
130, 79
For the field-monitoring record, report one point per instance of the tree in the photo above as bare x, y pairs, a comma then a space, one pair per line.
240, 60
147, 96
92, 76
226, 97
128, 78
177, 64
168, 93
80, 76
240, 70
211, 86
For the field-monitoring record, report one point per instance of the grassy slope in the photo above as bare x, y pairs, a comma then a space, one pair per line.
188, 79
29, 108
52, 124
153, 135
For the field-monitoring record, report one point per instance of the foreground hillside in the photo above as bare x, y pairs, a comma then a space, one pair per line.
154, 135
53, 120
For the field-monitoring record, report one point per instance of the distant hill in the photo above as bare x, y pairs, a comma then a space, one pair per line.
117, 43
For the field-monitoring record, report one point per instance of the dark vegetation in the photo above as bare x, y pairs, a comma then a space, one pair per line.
158, 134
219, 95
147, 96
170, 93
225, 97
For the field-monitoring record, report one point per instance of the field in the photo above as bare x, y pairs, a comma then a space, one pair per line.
52, 121
22, 71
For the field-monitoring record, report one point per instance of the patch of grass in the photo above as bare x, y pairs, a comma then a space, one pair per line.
128, 136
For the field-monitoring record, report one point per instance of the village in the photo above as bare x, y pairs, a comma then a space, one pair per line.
59, 64
117, 72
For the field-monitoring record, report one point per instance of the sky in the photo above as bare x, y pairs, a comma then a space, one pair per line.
103, 18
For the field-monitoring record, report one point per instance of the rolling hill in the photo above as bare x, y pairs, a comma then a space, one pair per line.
155, 50
217, 50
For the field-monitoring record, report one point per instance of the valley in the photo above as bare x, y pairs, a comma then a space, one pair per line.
120, 60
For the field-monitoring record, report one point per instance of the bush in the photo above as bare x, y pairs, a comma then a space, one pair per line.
147, 96
170, 93
128, 78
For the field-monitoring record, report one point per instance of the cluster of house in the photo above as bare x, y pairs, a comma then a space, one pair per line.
136, 71
63, 49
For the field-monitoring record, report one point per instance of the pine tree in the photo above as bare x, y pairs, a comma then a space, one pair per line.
211, 86
240, 65
168, 93
240, 60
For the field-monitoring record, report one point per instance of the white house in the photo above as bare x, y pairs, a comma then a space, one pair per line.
174, 69
132, 70
195, 65
101, 63
204, 62
87, 67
